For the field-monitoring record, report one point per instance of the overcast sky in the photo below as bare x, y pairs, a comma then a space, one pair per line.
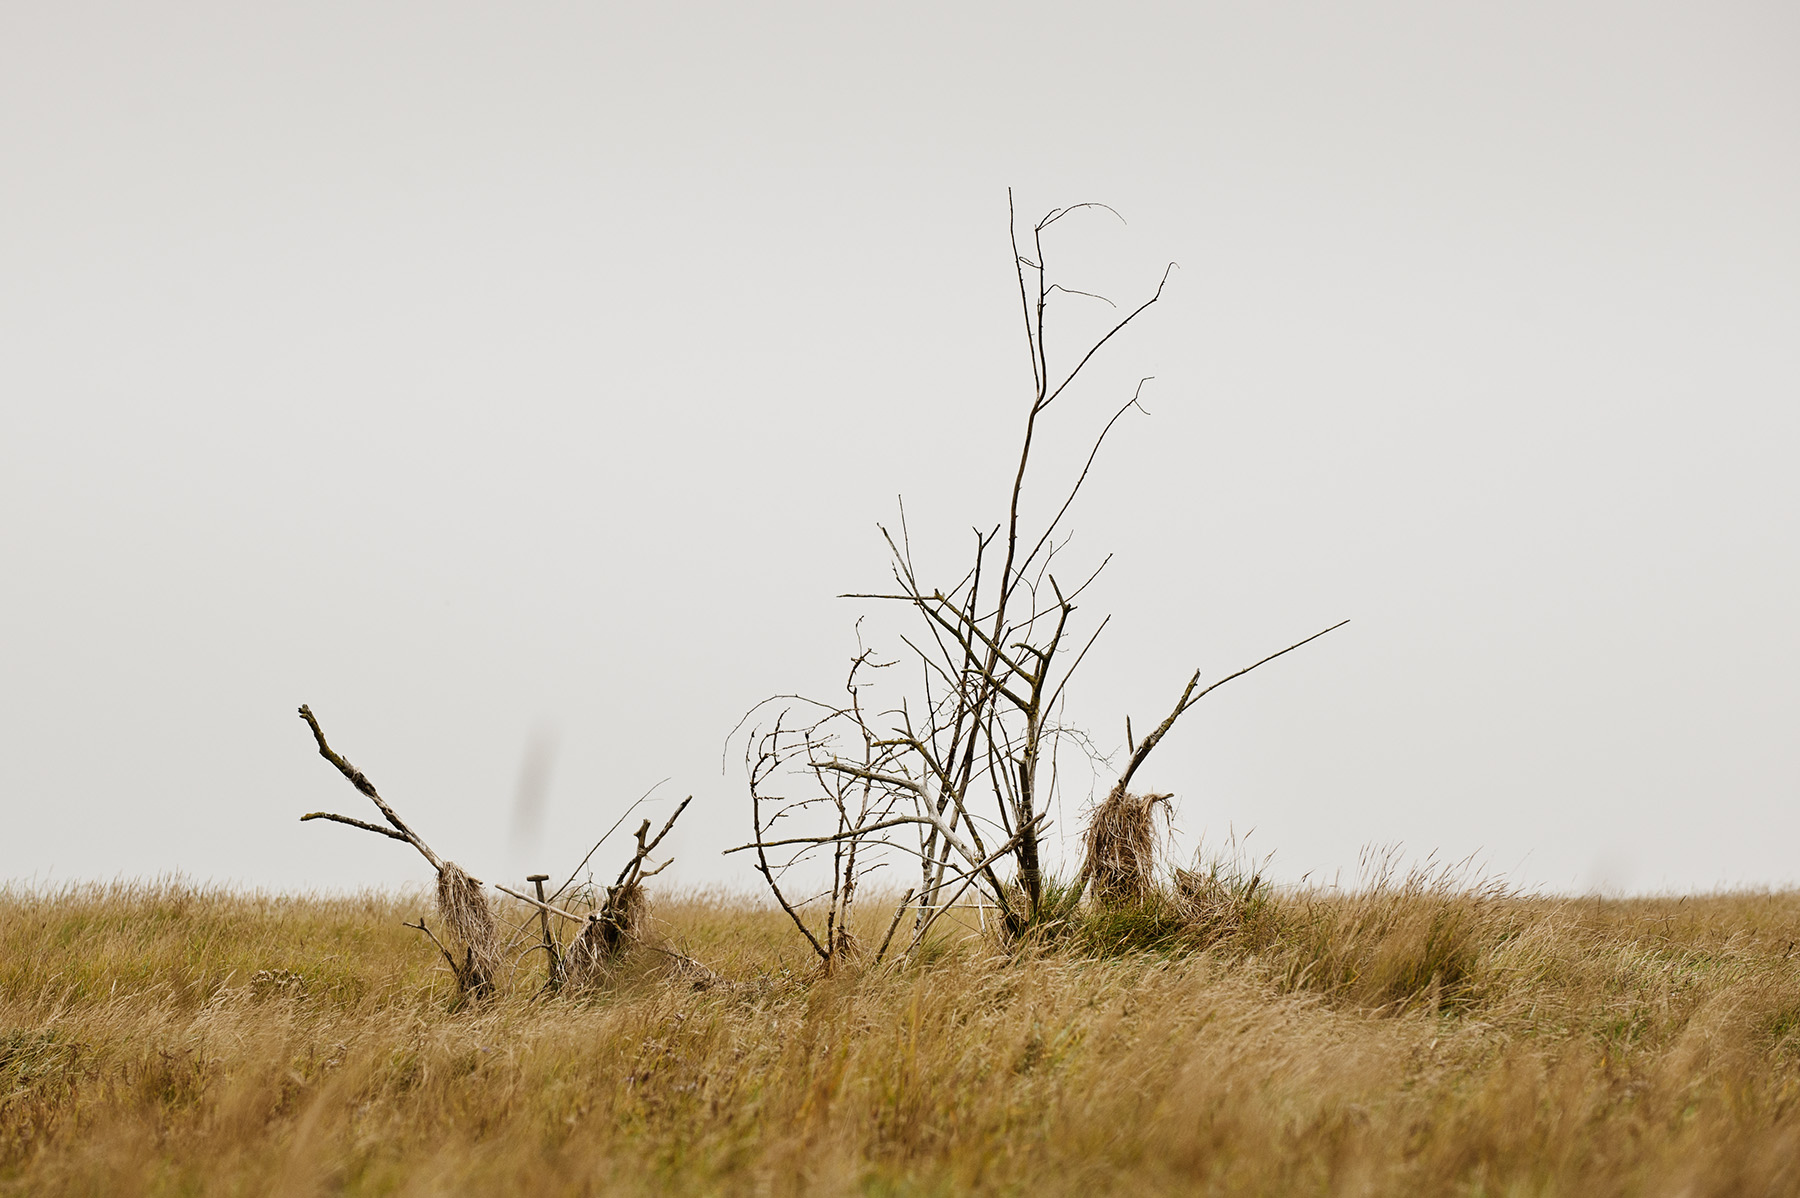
519, 384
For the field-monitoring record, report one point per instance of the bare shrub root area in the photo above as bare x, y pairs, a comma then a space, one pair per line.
1216, 1037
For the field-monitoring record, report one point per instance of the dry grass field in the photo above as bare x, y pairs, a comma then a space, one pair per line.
1418, 1038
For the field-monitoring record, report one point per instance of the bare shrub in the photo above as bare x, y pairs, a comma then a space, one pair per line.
956, 775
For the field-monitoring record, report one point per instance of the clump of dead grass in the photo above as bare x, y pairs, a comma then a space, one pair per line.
591, 959
1426, 936
1435, 936
1123, 847
464, 908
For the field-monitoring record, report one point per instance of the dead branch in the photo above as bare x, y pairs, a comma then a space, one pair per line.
359, 780
767, 760
354, 823
576, 872
470, 979
899, 914
1093, 453
460, 902
634, 868
1189, 698
969, 880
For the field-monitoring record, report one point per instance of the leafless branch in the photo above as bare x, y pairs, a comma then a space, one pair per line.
1189, 697
359, 780
455, 968
354, 823
1098, 345
969, 880
899, 914
626, 814
541, 905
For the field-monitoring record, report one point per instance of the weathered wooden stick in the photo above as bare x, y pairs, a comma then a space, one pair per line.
1189, 698
551, 948
359, 780
542, 906
905, 902
354, 823
634, 868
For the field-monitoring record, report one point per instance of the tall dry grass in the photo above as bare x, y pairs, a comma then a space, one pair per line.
1417, 1037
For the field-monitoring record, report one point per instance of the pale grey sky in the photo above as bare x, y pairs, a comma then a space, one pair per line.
518, 384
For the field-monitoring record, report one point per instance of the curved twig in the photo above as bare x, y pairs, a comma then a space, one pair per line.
1189, 698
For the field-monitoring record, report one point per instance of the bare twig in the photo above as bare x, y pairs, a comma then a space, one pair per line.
576, 872
899, 913
1115, 331
354, 823
969, 880
1189, 697
450, 960
461, 903
543, 906
634, 867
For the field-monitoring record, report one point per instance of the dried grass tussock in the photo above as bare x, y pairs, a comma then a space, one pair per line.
1122, 846
592, 958
464, 909
1415, 1037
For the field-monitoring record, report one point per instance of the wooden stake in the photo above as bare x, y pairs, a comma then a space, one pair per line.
550, 945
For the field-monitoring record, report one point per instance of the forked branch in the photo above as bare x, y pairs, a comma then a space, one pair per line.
1189, 697
360, 780
460, 901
